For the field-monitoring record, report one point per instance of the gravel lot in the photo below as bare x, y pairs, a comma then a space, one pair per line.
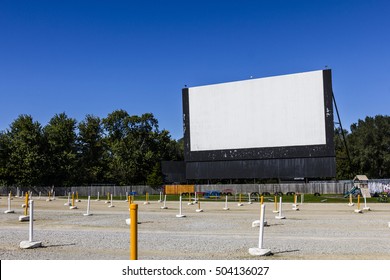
317, 231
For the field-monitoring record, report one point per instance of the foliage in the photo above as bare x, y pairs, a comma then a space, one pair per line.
60, 137
370, 146
92, 151
127, 149
25, 152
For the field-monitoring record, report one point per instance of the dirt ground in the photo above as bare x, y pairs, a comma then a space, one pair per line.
316, 231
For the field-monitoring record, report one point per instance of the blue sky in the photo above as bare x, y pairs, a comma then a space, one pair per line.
93, 57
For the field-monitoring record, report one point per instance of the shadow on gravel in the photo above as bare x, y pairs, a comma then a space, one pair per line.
287, 251
58, 245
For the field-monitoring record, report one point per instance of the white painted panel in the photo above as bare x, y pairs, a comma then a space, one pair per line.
268, 112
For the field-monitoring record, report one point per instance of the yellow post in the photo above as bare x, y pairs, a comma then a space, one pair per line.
77, 196
295, 199
350, 198
261, 200
134, 232
108, 196
26, 202
72, 198
358, 205
199, 204
276, 204
147, 197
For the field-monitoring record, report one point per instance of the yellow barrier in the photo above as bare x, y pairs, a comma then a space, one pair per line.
26, 202
134, 232
358, 204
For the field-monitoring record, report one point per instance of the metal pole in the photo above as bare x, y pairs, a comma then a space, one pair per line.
31, 202
180, 206
134, 232
89, 204
280, 206
261, 226
9, 202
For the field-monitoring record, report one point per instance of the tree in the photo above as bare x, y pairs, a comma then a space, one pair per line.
136, 146
61, 150
370, 146
4, 157
343, 164
26, 160
92, 157
155, 177
115, 126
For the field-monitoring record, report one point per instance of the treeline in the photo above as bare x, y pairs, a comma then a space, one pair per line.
368, 150
127, 150
119, 149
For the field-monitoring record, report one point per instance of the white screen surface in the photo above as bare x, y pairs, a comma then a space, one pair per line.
277, 111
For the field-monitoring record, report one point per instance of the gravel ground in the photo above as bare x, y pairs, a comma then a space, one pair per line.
317, 231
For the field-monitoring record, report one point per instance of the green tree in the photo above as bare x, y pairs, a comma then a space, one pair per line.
4, 157
343, 164
155, 177
136, 146
115, 126
91, 151
370, 146
61, 150
26, 160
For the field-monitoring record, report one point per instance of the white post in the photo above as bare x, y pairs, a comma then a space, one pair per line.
365, 204
68, 203
226, 204
127, 197
350, 200
260, 251
9, 202
88, 206
17, 191
165, 200
39, 195
160, 200
261, 233
54, 195
9, 205
180, 210
280, 217
302, 195
98, 197
110, 206
180, 205
249, 198
196, 199
30, 243
31, 221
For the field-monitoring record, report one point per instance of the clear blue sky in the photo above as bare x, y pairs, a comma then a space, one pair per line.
93, 57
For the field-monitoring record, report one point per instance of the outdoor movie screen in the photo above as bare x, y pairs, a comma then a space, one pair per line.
274, 117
